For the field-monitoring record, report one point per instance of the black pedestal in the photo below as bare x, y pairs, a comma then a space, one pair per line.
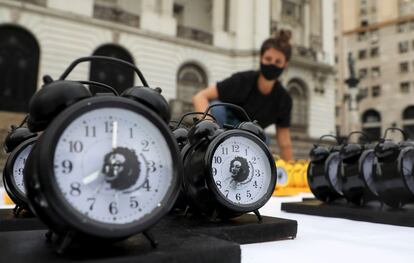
24, 221
374, 212
181, 239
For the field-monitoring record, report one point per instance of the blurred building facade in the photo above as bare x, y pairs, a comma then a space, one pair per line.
179, 45
379, 34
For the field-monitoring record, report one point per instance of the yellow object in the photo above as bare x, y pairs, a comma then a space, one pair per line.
291, 177
7, 199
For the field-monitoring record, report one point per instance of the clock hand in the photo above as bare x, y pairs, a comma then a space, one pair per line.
114, 135
92, 177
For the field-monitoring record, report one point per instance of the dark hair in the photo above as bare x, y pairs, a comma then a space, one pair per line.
244, 169
279, 41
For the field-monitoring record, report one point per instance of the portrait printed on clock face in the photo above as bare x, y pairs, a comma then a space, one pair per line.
239, 169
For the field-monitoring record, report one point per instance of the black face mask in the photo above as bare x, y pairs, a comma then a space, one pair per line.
271, 71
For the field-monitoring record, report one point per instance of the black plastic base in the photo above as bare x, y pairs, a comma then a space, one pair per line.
23, 221
372, 212
180, 239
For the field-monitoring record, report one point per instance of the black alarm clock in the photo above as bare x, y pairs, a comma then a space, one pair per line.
323, 171
18, 143
393, 179
106, 167
353, 184
180, 131
229, 171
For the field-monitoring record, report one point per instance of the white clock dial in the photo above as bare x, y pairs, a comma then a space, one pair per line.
113, 165
18, 167
334, 168
241, 170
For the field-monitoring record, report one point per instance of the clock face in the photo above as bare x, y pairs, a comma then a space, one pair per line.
368, 168
18, 168
282, 176
333, 166
113, 165
241, 170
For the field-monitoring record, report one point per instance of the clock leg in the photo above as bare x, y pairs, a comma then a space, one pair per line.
49, 235
258, 215
186, 211
151, 239
214, 216
65, 242
17, 209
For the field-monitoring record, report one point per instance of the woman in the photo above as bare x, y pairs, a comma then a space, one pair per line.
259, 92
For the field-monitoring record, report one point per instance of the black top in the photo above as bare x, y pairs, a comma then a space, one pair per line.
241, 89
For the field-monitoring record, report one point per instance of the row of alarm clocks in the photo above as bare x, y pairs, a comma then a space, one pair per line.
364, 172
107, 166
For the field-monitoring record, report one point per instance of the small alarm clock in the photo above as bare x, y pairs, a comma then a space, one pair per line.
393, 179
180, 132
230, 171
106, 167
18, 143
353, 185
323, 171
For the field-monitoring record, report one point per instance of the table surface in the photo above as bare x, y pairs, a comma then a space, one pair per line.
323, 239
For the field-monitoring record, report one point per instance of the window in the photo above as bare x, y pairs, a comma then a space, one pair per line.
404, 67
298, 91
371, 123
114, 75
191, 78
405, 87
362, 36
400, 27
291, 10
403, 47
374, 52
376, 72
408, 121
376, 91
363, 72
226, 24
19, 63
362, 94
362, 54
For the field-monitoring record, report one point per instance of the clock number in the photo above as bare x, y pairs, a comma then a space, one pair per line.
245, 151
227, 193
217, 159
20, 171
90, 131
238, 197
257, 172
145, 145
67, 167
151, 166
92, 200
255, 184
24, 160
75, 146
75, 189
131, 133
235, 148
248, 194
254, 160
224, 151
214, 171
108, 126
113, 209
133, 203
147, 185
218, 183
